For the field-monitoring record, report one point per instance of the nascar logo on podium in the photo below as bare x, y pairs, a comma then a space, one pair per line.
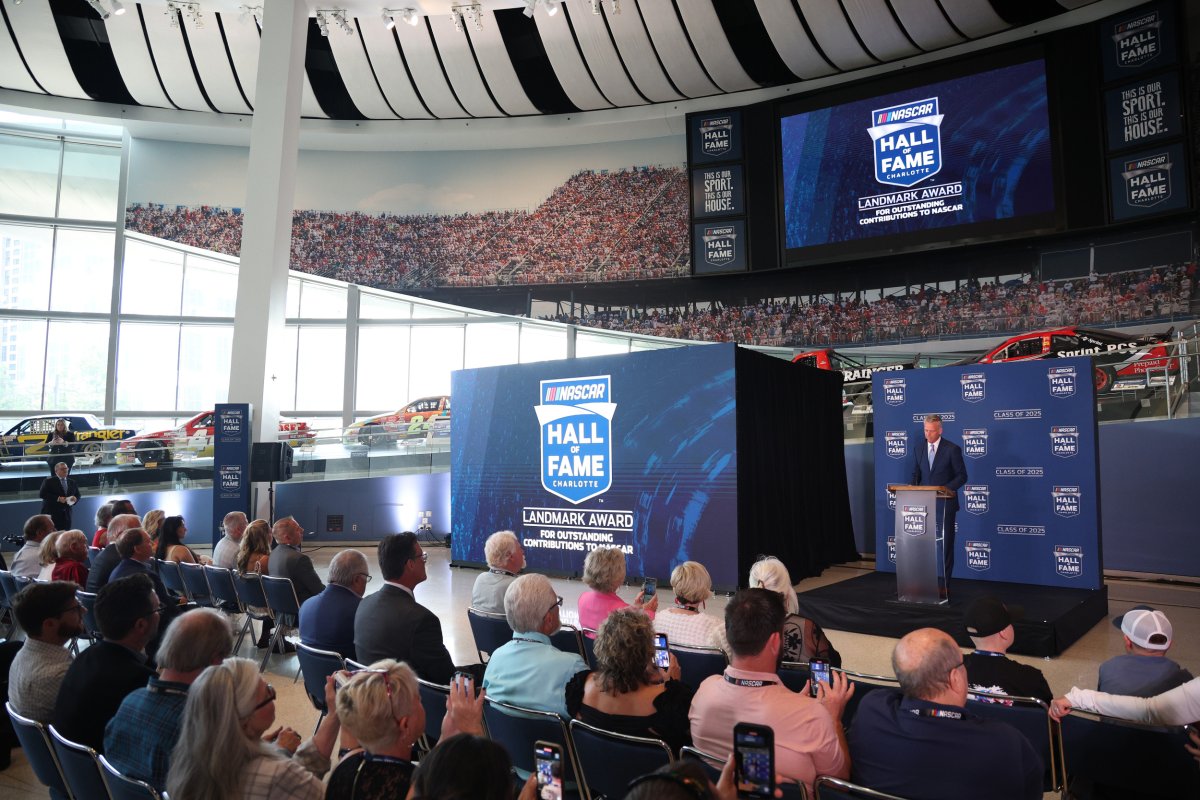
979, 556
896, 443
913, 519
1062, 381
575, 418
974, 386
907, 142
1068, 560
975, 442
1064, 440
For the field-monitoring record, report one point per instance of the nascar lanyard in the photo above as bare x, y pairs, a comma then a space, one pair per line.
530, 641
687, 606
495, 571
935, 712
988, 653
749, 684
159, 689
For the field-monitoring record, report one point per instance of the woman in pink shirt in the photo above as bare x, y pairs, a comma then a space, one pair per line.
603, 572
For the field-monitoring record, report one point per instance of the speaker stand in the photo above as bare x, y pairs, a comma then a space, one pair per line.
271, 502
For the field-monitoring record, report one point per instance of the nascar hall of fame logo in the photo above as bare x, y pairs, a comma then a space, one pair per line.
575, 416
976, 498
1068, 560
975, 442
1138, 41
1066, 500
1148, 180
979, 555
1062, 381
891, 501
893, 391
1064, 440
974, 386
232, 423
912, 518
908, 143
719, 244
896, 443
230, 477
891, 546
716, 135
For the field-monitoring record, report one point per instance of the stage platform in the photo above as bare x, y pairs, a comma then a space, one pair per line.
1054, 618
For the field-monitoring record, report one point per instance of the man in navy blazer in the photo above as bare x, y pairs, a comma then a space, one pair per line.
940, 463
327, 619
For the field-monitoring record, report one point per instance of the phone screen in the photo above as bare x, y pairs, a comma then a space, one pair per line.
548, 761
662, 657
820, 672
649, 588
754, 746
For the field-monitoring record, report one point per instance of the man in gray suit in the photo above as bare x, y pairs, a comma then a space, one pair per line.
391, 623
288, 562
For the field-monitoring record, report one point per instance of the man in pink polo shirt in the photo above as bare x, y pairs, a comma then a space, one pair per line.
809, 740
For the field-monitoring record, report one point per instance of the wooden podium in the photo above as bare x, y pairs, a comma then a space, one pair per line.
920, 543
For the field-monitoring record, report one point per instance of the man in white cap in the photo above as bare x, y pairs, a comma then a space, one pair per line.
1144, 670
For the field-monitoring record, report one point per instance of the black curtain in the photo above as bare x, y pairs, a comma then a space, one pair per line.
793, 502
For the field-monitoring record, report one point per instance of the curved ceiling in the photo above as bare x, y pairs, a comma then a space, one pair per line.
492, 62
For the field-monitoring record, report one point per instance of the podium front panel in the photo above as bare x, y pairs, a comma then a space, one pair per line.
919, 547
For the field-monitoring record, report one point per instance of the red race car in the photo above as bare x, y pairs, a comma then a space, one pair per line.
1121, 361
194, 439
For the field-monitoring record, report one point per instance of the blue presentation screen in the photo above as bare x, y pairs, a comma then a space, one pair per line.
637, 451
967, 158
1030, 510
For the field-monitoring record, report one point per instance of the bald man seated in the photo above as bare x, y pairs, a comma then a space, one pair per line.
923, 742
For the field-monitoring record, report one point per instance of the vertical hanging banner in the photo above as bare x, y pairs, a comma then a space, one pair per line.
231, 462
1030, 509
1138, 40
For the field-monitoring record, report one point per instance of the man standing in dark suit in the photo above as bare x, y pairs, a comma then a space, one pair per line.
940, 463
58, 494
288, 562
391, 623
127, 612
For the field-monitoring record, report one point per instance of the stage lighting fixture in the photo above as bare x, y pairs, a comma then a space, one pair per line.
251, 12
409, 16
388, 22
190, 10
98, 8
551, 7
117, 8
337, 16
472, 13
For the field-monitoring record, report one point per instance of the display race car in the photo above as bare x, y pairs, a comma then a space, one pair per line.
1121, 362
194, 439
856, 375
93, 439
411, 424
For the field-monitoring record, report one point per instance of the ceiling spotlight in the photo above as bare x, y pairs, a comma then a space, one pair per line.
251, 12
338, 16
117, 8
596, 7
472, 13
388, 22
190, 10
551, 7
409, 16
614, 6
98, 8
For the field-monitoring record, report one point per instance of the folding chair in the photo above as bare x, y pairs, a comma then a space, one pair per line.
517, 729
254, 601
1126, 759
172, 578
863, 683
122, 787
196, 583
698, 663
36, 744
352, 665
316, 665
490, 631
88, 601
830, 788
1031, 717
608, 761
588, 637
794, 675
8, 592
92, 553
433, 698
568, 639
85, 776
281, 597
225, 597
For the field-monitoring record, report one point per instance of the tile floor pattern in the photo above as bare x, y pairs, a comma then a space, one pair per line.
448, 592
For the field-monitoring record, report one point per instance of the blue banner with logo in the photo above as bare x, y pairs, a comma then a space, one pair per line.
635, 451
1148, 182
1030, 510
716, 136
1138, 40
231, 462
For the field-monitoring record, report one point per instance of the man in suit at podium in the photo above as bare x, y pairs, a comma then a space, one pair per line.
940, 463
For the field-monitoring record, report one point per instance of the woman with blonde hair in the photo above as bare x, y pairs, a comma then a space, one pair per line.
685, 623
48, 555
803, 639
72, 563
152, 522
255, 549
224, 751
604, 572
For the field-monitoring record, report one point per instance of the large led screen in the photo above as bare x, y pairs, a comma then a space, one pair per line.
966, 158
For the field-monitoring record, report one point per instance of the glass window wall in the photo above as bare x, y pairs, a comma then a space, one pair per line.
76, 366
28, 175
25, 256
382, 374
82, 279
90, 175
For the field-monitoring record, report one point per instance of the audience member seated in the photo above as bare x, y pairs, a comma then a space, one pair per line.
152, 522
627, 693
48, 555
170, 546
224, 750
287, 561
327, 620
989, 624
108, 558
1179, 706
529, 671
1144, 670
685, 780
50, 616
226, 552
505, 557
116, 508
139, 739
381, 708
72, 558
809, 740
803, 639
468, 766
686, 624
127, 612
27, 563
921, 741
136, 550
104, 515
254, 551
391, 623
604, 572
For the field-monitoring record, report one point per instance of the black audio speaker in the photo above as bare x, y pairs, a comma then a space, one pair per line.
270, 462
